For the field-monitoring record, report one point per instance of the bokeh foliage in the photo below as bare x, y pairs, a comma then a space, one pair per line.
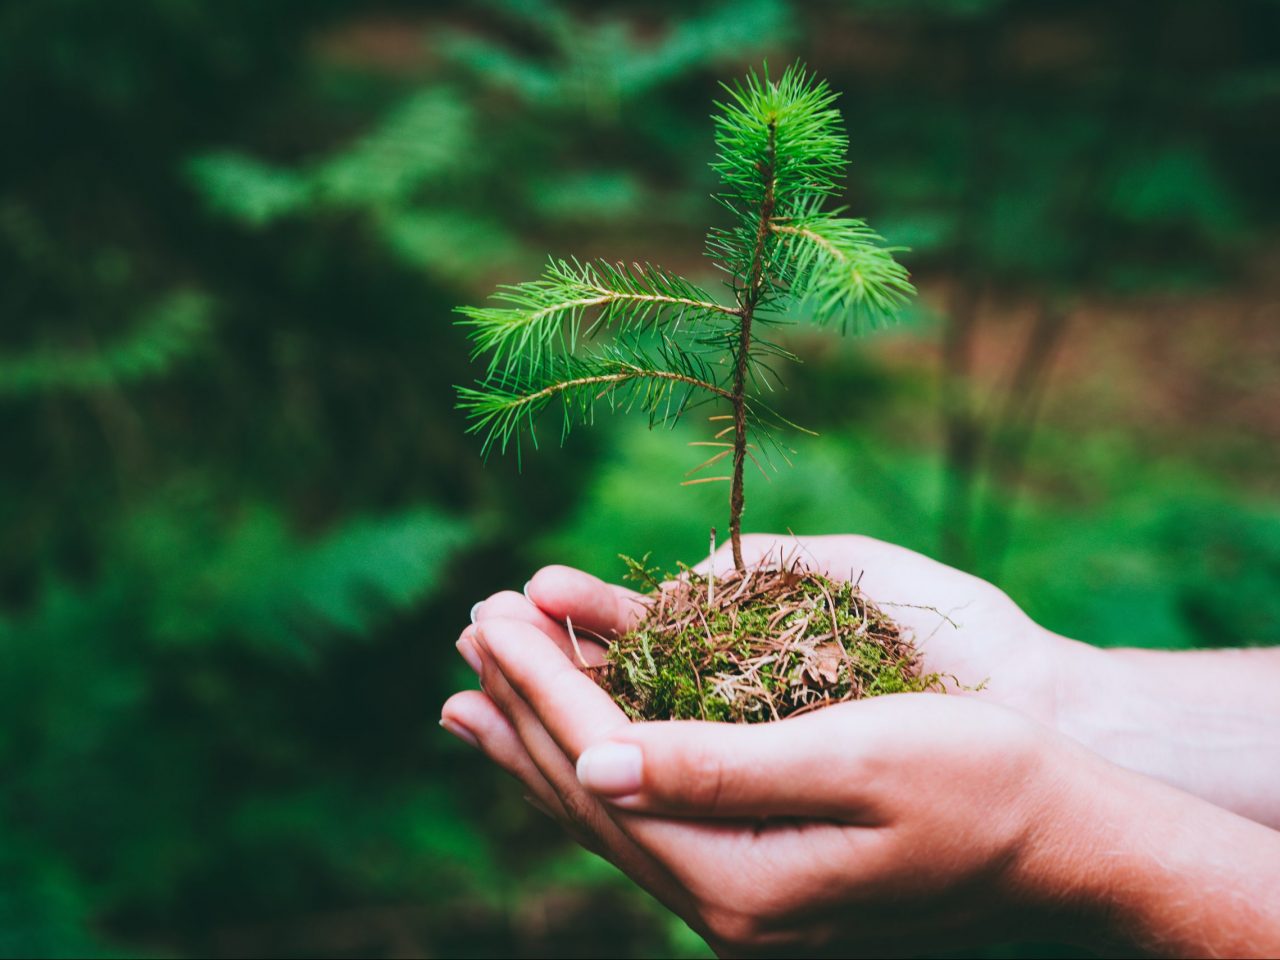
243, 523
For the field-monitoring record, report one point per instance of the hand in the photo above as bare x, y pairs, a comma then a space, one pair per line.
873, 811
966, 628
887, 826
1207, 722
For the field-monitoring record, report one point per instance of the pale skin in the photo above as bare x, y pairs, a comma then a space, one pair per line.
1121, 800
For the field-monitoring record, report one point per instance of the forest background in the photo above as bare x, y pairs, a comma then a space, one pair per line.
242, 522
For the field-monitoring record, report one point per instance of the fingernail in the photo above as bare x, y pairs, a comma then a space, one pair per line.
474, 608
613, 769
525, 591
538, 805
459, 731
470, 654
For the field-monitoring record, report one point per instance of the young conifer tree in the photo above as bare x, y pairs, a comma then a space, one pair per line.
642, 337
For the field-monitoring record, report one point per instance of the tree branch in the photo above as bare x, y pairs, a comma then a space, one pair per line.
612, 379
812, 236
613, 296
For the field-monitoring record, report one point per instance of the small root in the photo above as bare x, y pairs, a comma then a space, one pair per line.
577, 647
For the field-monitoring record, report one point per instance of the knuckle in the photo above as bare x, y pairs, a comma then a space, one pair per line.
580, 809
702, 779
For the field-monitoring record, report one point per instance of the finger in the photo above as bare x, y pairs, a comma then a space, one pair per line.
568, 704
593, 605
584, 817
917, 591
818, 766
848, 557
540, 746
580, 813
576, 713
509, 605
643, 847
558, 708
755, 548
584, 812
476, 716
466, 647
842, 556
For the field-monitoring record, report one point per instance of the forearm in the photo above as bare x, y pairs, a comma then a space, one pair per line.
1207, 722
1155, 869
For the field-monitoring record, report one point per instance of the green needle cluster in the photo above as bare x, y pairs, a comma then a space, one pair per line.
640, 337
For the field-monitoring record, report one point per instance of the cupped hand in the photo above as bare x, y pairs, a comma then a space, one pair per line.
967, 629
886, 826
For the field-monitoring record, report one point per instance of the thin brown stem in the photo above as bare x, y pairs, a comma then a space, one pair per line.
608, 296
610, 380
748, 300
813, 237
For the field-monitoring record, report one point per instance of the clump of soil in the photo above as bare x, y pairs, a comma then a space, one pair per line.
761, 645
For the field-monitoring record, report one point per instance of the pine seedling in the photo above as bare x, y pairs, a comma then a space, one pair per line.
641, 337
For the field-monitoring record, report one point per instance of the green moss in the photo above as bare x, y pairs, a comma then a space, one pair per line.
757, 646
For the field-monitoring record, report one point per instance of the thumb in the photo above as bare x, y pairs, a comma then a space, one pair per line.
808, 766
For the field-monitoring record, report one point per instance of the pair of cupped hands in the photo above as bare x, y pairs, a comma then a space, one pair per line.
885, 826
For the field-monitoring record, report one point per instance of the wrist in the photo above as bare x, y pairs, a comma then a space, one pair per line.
1185, 719
1102, 705
1114, 861
1090, 868
1071, 856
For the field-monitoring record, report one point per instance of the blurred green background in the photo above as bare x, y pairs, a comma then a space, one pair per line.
243, 525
